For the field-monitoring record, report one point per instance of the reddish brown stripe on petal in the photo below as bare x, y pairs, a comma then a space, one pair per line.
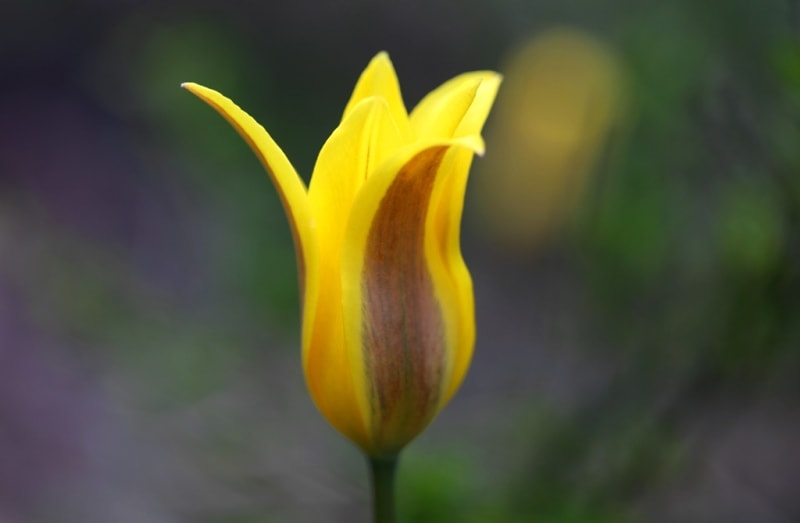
403, 326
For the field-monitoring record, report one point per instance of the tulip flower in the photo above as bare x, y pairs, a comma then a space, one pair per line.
388, 312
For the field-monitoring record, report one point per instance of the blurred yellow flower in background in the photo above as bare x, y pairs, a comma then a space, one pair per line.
563, 94
388, 312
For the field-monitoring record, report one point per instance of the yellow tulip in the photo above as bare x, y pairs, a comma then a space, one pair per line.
388, 312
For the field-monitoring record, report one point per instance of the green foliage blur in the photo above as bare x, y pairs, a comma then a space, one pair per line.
638, 363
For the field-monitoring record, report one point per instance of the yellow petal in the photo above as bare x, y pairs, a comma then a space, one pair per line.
333, 378
289, 185
445, 224
379, 79
364, 139
458, 107
454, 284
392, 313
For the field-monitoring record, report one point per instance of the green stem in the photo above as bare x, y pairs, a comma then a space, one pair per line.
382, 472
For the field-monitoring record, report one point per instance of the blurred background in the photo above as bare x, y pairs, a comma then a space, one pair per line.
632, 233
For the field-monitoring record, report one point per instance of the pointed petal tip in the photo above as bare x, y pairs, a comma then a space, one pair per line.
473, 142
381, 60
490, 78
204, 93
192, 87
484, 80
